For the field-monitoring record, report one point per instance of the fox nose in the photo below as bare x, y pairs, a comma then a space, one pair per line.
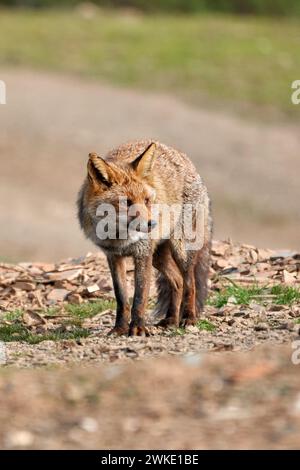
151, 224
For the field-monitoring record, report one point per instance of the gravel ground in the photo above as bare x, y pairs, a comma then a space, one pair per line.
34, 288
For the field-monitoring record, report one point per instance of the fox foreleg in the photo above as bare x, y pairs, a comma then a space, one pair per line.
117, 265
143, 267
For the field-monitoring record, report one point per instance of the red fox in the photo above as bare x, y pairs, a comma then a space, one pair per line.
150, 175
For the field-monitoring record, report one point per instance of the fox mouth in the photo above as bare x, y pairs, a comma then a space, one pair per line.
143, 227
135, 233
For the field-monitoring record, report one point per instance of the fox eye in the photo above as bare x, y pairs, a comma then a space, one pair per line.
147, 201
129, 202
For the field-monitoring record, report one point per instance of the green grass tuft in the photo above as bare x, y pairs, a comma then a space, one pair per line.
90, 309
13, 315
283, 295
205, 325
178, 331
201, 324
18, 332
241, 295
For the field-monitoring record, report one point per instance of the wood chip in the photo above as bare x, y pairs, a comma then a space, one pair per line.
31, 318
3, 304
58, 295
75, 299
69, 275
93, 288
221, 263
253, 256
28, 286
288, 278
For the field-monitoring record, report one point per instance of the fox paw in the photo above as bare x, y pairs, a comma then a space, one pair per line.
167, 323
138, 330
119, 330
188, 322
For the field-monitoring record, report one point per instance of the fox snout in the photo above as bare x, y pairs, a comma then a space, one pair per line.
151, 225
146, 226
139, 219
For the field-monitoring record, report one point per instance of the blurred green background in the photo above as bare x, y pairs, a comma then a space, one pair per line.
236, 58
265, 7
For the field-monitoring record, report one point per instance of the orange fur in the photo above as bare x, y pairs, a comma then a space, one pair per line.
145, 173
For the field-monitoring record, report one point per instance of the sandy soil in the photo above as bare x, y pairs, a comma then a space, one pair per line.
50, 123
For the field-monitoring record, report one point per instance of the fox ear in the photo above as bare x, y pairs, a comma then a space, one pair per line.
143, 164
99, 171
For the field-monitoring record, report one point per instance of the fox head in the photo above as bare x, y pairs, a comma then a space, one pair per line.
119, 196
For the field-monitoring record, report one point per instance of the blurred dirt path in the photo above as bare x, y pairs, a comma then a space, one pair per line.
51, 123
205, 401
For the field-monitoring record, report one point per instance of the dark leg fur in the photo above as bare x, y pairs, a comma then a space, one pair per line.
117, 265
142, 284
188, 311
172, 281
201, 276
194, 277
